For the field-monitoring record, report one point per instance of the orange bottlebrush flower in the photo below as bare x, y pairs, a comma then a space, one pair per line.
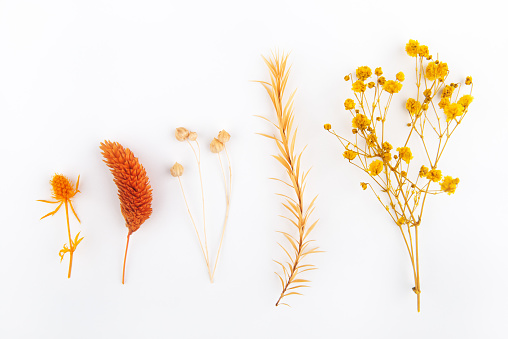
134, 190
63, 191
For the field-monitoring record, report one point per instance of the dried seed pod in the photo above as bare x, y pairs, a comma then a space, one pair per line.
216, 146
182, 133
223, 136
193, 136
176, 170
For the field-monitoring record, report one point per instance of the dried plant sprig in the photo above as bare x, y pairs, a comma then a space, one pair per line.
63, 191
298, 246
183, 134
134, 190
217, 145
404, 189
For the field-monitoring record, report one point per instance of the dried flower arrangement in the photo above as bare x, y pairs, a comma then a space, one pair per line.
134, 190
434, 114
216, 146
63, 191
298, 246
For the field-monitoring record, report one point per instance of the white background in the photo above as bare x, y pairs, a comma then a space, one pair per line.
74, 73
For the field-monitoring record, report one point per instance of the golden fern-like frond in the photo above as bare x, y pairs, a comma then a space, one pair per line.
298, 246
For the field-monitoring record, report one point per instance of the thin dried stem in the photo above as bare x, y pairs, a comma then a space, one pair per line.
196, 229
228, 200
125, 257
198, 160
70, 239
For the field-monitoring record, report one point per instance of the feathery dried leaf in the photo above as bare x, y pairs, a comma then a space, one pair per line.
286, 145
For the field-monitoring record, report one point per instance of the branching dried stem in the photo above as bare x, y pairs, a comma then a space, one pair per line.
298, 246
217, 145
405, 198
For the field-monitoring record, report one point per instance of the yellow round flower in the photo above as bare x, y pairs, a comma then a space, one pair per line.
346, 78
436, 70
447, 91
387, 146
444, 102
434, 175
400, 76
405, 154
349, 155
465, 100
423, 51
449, 185
364, 185
413, 106
412, 48
363, 73
349, 104
371, 140
381, 80
469, 80
392, 86
327, 127
453, 110
361, 122
378, 71
359, 86
423, 171
375, 167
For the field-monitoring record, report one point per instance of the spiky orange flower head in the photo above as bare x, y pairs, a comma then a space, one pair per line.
134, 188
62, 187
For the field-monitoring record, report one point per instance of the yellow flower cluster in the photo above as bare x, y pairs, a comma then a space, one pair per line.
349, 155
423, 171
465, 100
405, 154
436, 70
392, 86
375, 167
400, 76
361, 122
371, 140
359, 86
363, 73
349, 104
449, 185
447, 91
413, 106
434, 175
378, 71
423, 51
412, 48
453, 110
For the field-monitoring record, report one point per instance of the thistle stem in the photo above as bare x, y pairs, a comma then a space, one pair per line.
125, 257
70, 239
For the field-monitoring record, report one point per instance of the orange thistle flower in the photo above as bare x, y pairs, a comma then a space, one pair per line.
63, 191
134, 188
